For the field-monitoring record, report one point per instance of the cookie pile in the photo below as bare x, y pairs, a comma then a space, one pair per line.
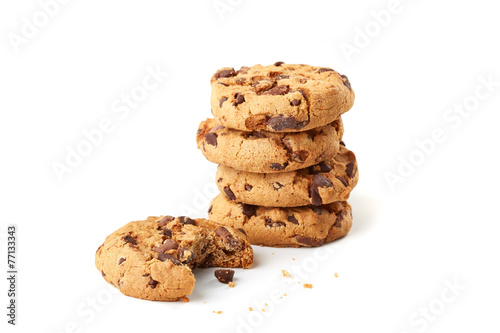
284, 172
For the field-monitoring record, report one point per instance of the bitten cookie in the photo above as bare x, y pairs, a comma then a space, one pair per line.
266, 151
153, 259
279, 97
324, 183
284, 227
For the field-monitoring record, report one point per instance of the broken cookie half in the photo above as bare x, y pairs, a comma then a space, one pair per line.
153, 259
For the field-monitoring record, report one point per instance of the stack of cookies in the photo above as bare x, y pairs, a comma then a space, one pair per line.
284, 172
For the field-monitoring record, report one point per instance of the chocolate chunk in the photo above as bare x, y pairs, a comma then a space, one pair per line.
239, 98
211, 139
130, 240
169, 244
121, 260
243, 70
219, 180
248, 187
249, 210
185, 255
228, 239
346, 82
152, 283
320, 168
167, 232
339, 219
224, 275
210, 209
277, 166
278, 90
295, 102
164, 257
322, 70
230, 195
164, 221
280, 123
308, 241
225, 73
273, 224
282, 77
102, 273
240, 81
278, 63
317, 182
343, 181
277, 186
292, 219
242, 231
319, 210
342, 143
222, 100
349, 170
300, 156
186, 220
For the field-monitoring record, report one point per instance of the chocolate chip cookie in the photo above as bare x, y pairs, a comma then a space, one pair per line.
284, 227
153, 259
279, 97
261, 151
324, 183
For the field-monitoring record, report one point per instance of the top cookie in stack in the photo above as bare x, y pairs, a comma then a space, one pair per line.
284, 173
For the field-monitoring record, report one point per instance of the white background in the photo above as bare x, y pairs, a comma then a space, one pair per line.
437, 226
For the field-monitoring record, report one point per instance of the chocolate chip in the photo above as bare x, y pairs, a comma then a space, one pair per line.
322, 70
152, 283
230, 195
102, 273
278, 90
145, 275
210, 209
349, 170
239, 98
342, 143
292, 219
224, 275
229, 239
282, 77
319, 210
169, 244
277, 186
121, 260
185, 255
277, 166
222, 100
130, 240
164, 221
243, 70
280, 123
263, 85
225, 73
219, 180
242, 231
273, 224
300, 156
343, 181
164, 257
295, 102
346, 82
240, 80
248, 187
211, 139
320, 168
308, 241
167, 232
249, 210
303, 80
339, 219
186, 220
318, 182
216, 128
278, 63
223, 84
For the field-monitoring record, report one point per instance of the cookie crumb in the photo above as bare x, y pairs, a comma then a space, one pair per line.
285, 295
185, 299
308, 285
272, 253
336, 274
285, 273
293, 258
263, 310
265, 304
231, 284
218, 312
250, 309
